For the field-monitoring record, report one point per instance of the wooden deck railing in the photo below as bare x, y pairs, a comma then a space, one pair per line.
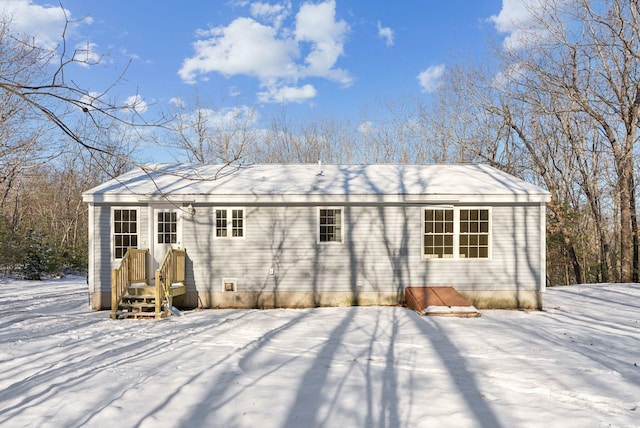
171, 272
133, 269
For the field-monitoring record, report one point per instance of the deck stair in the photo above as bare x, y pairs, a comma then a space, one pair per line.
133, 296
138, 302
441, 301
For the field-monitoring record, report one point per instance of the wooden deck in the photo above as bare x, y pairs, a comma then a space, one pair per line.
442, 301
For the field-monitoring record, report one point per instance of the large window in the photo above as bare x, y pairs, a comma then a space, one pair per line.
451, 233
229, 222
125, 231
330, 224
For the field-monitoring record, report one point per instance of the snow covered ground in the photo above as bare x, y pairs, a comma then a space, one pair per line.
577, 364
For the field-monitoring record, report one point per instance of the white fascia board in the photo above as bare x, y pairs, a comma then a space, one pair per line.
137, 199
317, 199
369, 199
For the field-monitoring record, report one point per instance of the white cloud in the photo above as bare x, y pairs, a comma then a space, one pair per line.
177, 102
232, 117
386, 33
224, 119
516, 18
244, 47
279, 56
136, 104
512, 73
218, 120
86, 54
287, 94
42, 22
90, 101
134, 56
316, 23
365, 128
430, 78
274, 14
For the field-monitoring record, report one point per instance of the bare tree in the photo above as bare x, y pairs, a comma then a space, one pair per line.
20, 131
43, 118
206, 134
390, 131
587, 63
323, 139
35, 93
565, 109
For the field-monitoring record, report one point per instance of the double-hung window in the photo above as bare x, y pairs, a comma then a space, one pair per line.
124, 230
438, 233
330, 225
474, 233
229, 222
456, 233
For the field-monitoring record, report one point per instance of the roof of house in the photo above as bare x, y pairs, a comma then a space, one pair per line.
317, 183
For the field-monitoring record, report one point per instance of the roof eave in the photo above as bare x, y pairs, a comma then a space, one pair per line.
285, 199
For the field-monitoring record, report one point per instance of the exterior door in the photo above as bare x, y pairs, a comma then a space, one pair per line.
167, 232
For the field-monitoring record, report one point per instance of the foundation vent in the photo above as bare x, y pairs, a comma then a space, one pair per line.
229, 284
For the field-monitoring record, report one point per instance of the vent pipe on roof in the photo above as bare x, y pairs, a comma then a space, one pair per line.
319, 168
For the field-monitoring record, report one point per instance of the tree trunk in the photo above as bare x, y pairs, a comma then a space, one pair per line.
634, 228
626, 232
575, 263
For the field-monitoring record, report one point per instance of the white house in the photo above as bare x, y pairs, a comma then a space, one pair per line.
324, 235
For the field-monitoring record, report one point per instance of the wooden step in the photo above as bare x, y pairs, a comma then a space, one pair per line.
141, 289
139, 297
138, 305
136, 315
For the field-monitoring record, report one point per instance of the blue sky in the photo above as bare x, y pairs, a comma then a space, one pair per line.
309, 58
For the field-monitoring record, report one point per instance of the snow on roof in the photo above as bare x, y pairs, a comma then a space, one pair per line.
316, 182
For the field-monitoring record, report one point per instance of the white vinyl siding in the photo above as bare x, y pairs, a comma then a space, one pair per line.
380, 251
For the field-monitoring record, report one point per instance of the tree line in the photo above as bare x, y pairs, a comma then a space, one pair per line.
559, 107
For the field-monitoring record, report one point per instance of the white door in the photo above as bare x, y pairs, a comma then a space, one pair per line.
167, 232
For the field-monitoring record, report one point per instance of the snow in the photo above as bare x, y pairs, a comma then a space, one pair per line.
573, 365
199, 182
448, 310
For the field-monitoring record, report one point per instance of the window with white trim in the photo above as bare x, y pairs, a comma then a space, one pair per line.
474, 233
124, 230
167, 223
229, 222
438, 233
330, 225
456, 233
